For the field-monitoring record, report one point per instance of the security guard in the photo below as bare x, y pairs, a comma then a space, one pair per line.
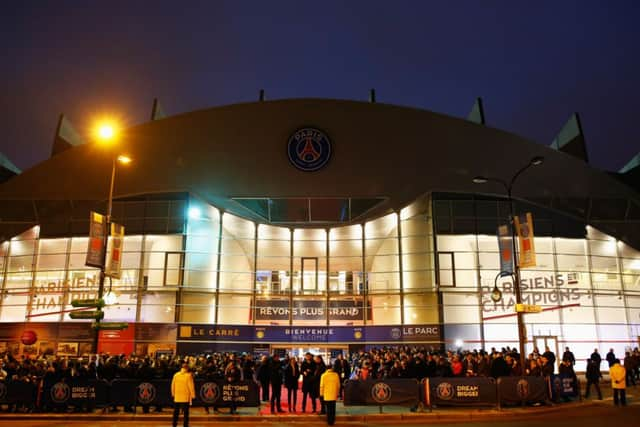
329, 391
183, 392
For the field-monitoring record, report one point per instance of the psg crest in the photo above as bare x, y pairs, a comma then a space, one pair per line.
444, 391
209, 392
146, 393
60, 393
381, 392
309, 149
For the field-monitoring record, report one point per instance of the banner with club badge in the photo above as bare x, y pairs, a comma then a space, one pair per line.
524, 229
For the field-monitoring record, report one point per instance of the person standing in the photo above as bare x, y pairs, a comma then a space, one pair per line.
343, 369
329, 390
275, 377
308, 368
630, 367
263, 376
611, 357
320, 369
568, 355
183, 392
232, 374
593, 375
291, 376
595, 356
618, 383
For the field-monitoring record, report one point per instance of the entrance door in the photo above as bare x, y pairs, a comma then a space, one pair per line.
309, 275
544, 341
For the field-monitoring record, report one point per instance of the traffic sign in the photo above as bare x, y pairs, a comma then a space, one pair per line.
528, 308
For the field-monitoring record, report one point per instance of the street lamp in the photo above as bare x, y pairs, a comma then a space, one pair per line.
496, 294
106, 133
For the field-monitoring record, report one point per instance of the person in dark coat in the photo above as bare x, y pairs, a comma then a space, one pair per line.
232, 375
307, 369
611, 357
499, 367
593, 375
275, 378
343, 369
595, 356
263, 376
568, 355
320, 369
291, 376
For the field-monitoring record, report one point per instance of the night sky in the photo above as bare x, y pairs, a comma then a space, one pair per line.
533, 63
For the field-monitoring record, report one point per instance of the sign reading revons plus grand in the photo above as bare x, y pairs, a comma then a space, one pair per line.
309, 149
274, 309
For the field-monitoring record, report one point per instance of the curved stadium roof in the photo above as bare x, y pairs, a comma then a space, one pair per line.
383, 156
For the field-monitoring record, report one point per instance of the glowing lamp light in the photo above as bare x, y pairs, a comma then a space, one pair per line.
459, 343
110, 298
124, 159
194, 213
106, 131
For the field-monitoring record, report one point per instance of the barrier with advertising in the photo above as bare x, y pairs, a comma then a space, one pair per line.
460, 391
158, 392
517, 390
90, 393
397, 391
564, 387
17, 392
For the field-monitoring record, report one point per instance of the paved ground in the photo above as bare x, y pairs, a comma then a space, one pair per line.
591, 415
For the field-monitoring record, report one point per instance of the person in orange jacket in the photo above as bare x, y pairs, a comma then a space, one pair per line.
618, 382
183, 392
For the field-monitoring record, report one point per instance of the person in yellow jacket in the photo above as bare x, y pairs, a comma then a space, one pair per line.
618, 382
329, 391
183, 392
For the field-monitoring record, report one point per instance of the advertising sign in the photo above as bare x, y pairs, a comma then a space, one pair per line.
114, 262
505, 245
524, 229
396, 391
465, 391
303, 309
329, 334
95, 251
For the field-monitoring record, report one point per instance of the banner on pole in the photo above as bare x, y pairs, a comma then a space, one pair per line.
114, 262
505, 245
524, 228
95, 251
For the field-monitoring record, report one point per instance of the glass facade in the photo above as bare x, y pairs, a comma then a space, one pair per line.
399, 269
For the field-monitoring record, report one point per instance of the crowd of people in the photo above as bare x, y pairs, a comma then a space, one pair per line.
272, 373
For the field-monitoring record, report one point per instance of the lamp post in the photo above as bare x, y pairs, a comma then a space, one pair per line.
106, 134
508, 186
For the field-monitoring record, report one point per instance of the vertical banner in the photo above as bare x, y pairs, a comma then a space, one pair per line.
114, 263
95, 251
524, 228
505, 245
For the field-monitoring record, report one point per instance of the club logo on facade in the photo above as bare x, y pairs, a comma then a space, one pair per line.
3, 392
146, 393
381, 392
444, 391
209, 392
309, 149
522, 388
60, 393
396, 333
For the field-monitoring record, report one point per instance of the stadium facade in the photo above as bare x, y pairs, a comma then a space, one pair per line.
320, 224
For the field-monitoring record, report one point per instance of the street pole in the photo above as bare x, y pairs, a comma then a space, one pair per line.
522, 336
103, 264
